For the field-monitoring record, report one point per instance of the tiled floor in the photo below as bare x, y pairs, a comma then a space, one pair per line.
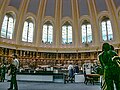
51, 86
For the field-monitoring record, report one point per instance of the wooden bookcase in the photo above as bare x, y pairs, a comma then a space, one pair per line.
34, 59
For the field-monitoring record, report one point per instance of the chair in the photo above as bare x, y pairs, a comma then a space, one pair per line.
88, 79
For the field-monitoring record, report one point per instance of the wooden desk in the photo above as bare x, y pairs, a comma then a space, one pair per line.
94, 76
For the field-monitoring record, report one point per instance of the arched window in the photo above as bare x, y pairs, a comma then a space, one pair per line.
119, 13
7, 26
28, 29
66, 33
47, 36
86, 32
107, 33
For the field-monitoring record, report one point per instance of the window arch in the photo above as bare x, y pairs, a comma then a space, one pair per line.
86, 32
47, 36
66, 33
7, 26
106, 28
27, 35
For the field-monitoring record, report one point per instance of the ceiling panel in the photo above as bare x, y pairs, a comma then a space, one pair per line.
15, 3
101, 5
67, 8
50, 8
33, 6
83, 7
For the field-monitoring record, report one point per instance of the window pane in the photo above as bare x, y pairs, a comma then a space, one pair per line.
104, 32
83, 33
69, 34
4, 27
64, 34
25, 30
109, 29
30, 32
44, 37
10, 28
89, 33
50, 34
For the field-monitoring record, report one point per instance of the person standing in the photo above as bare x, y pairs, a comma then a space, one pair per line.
115, 72
70, 71
16, 61
13, 70
111, 71
3, 71
76, 68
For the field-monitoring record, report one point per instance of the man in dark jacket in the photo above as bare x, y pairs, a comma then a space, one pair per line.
13, 71
13, 78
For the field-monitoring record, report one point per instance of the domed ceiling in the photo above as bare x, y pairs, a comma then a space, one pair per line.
59, 13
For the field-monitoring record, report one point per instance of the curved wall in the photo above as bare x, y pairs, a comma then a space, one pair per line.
75, 12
